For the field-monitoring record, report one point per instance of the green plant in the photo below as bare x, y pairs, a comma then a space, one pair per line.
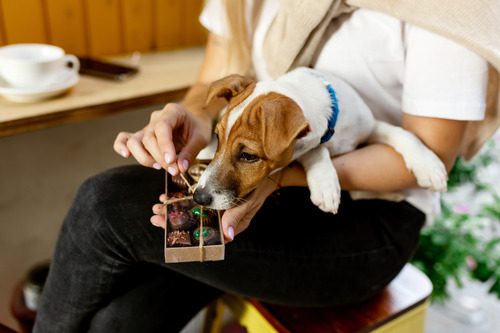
464, 240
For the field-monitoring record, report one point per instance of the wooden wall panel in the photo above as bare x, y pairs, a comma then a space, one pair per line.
66, 25
137, 25
168, 23
193, 32
103, 27
2, 36
24, 21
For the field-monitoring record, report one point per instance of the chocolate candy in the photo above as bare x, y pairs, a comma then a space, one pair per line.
179, 182
184, 218
180, 220
198, 211
196, 170
179, 238
210, 236
182, 203
207, 214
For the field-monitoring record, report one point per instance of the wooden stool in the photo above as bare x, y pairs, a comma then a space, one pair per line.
399, 308
5, 329
24, 316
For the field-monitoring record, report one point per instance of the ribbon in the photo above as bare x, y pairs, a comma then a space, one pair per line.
195, 175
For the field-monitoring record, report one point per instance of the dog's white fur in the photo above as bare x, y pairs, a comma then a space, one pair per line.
355, 125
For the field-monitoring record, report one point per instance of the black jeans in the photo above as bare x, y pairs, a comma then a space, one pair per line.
108, 272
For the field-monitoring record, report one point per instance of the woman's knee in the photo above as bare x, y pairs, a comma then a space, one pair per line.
120, 184
112, 205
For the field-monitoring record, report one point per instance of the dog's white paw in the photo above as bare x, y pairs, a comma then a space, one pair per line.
322, 179
325, 193
429, 170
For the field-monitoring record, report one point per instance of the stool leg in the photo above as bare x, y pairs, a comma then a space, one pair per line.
412, 321
213, 317
248, 316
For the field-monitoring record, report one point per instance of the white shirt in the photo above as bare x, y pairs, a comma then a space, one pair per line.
395, 67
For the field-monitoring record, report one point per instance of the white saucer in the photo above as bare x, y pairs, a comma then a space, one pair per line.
66, 80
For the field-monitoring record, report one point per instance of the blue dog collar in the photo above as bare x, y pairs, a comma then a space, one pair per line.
334, 105
332, 121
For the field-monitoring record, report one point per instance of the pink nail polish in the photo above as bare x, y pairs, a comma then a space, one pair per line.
124, 153
157, 166
168, 158
185, 164
230, 232
172, 171
153, 222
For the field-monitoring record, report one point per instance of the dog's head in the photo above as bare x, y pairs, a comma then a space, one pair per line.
256, 135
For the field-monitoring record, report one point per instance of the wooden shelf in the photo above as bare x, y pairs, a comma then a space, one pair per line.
163, 77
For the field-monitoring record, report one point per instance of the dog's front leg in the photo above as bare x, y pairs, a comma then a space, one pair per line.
322, 179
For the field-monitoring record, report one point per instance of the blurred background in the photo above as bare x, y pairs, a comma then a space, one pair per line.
41, 170
103, 27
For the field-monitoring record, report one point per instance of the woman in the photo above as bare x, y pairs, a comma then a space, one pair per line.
108, 272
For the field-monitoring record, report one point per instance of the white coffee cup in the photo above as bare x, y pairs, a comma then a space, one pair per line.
34, 65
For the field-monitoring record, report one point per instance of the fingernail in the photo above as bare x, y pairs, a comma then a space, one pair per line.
157, 166
123, 152
230, 232
152, 221
172, 171
185, 164
168, 158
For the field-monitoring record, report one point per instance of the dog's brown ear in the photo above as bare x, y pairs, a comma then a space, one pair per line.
283, 122
227, 87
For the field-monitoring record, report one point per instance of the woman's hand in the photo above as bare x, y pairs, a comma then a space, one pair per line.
234, 220
237, 219
169, 131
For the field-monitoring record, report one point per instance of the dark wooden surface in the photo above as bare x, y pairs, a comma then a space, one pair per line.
85, 113
408, 290
5, 329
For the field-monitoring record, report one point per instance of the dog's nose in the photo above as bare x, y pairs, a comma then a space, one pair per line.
202, 197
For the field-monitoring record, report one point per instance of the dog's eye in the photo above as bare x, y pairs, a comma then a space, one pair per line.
249, 158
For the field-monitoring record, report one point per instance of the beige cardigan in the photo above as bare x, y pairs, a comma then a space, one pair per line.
299, 29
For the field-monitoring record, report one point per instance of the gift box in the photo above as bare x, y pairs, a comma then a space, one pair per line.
192, 232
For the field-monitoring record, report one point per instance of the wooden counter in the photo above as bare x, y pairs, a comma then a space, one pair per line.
163, 77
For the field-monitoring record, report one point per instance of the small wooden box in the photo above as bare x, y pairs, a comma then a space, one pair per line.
184, 214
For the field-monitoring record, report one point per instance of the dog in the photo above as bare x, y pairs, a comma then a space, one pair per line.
306, 116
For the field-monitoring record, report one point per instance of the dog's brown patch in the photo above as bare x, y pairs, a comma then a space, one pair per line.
227, 87
240, 97
267, 128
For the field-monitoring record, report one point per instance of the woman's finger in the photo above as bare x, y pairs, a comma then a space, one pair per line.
172, 117
189, 152
120, 144
134, 144
237, 219
159, 209
166, 147
158, 221
150, 144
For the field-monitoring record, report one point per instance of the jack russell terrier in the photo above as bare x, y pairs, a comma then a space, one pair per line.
267, 125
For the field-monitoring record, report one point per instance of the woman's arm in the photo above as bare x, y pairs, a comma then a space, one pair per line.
174, 135
375, 168
212, 68
379, 168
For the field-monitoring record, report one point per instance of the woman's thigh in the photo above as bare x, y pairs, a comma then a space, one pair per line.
292, 253
295, 254
152, 299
